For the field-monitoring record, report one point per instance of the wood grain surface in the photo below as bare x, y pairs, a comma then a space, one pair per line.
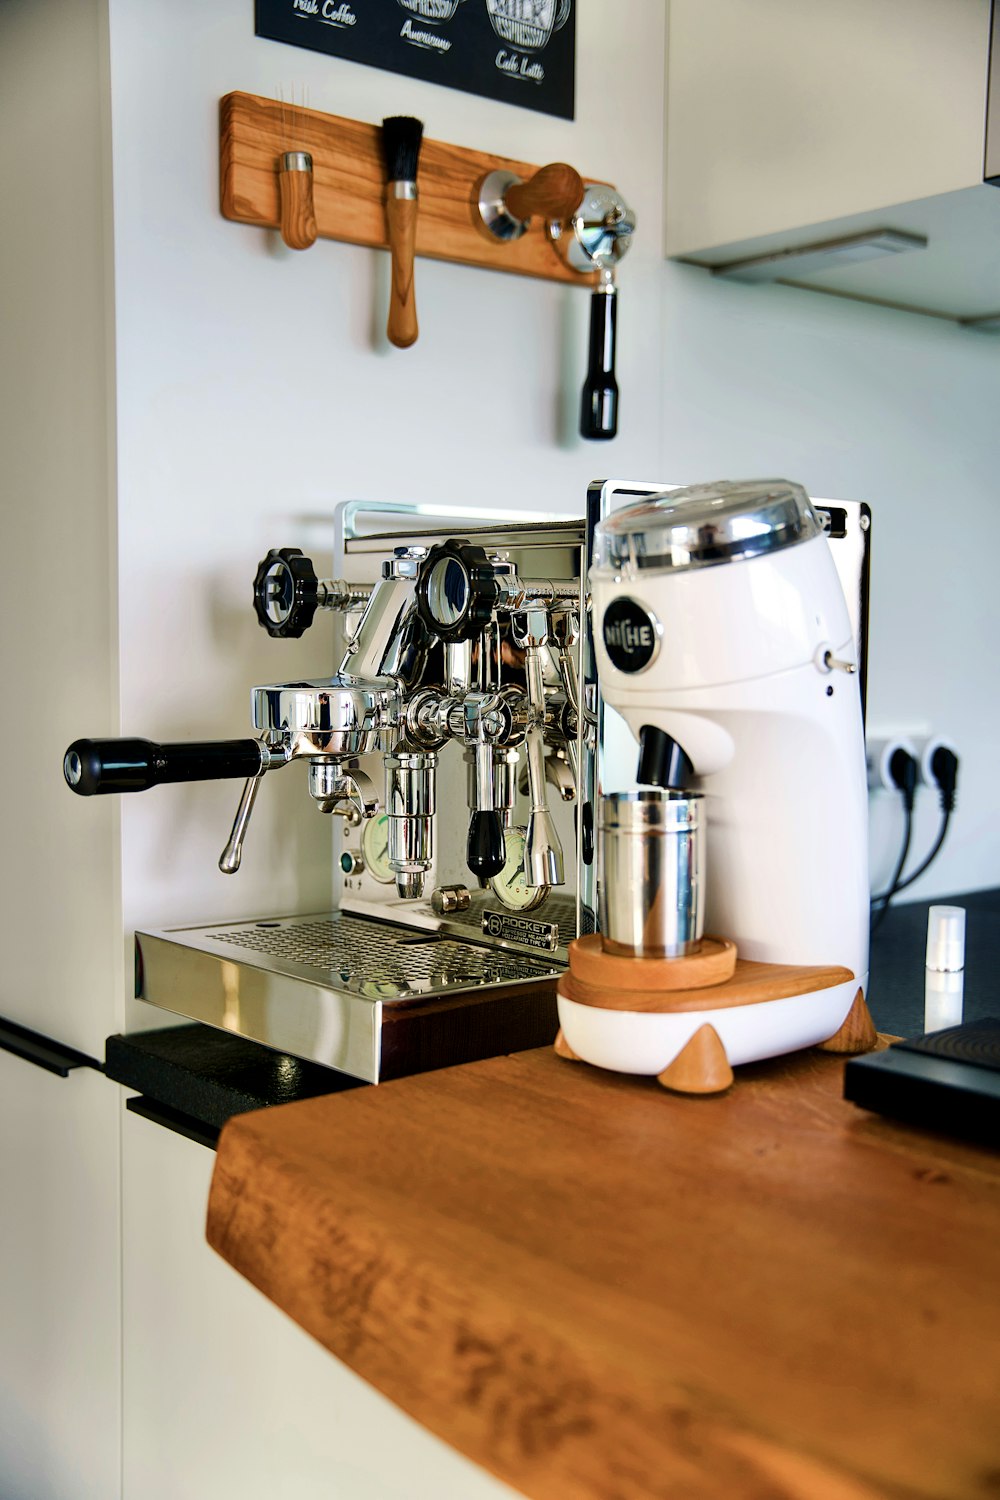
401, 225
554, 192
594, 965
601, 1291
349, 187
750, 983
298, 222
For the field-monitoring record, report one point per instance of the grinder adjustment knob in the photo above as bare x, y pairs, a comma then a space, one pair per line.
285, 592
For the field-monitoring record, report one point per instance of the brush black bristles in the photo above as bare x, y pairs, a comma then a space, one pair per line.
401, 137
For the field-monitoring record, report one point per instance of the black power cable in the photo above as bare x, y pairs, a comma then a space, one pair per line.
903, 770
944, 769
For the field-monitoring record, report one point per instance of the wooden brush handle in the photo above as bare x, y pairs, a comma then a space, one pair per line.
401, 216
555, 192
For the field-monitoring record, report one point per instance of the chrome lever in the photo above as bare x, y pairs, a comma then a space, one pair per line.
229, 859
272, 757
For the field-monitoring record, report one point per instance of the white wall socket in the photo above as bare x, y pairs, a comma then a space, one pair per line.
879, 751
925, 748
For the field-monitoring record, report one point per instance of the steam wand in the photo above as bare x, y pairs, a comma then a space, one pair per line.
543, 855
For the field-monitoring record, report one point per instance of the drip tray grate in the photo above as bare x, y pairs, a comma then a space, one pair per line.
377, 961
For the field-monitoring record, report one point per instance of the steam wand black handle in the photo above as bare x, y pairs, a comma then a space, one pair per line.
485, 853
599, 402
93, 767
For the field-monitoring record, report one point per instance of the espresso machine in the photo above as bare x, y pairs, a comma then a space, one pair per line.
452, 755
459, 750
723, 638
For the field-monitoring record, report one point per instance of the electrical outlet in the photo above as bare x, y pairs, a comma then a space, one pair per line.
878, 757
926, 745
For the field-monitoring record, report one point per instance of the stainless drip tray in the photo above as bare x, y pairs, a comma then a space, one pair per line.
316, 986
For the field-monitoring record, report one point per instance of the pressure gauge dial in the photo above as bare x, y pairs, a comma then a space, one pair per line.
511, 885
375, 849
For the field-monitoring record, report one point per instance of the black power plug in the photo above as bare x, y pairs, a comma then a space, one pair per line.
944, 769
904, 770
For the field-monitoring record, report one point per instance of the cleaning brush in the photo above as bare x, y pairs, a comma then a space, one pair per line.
401, 138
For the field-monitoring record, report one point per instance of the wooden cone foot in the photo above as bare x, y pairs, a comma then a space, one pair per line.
563, 1048
857, 1032
700, 1067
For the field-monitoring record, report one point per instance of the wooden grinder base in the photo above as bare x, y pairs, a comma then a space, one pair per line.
712, 979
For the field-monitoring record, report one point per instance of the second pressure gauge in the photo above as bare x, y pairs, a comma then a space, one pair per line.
375, 849
511, 885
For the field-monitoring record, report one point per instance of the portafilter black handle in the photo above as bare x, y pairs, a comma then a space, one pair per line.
599, 401
93, 767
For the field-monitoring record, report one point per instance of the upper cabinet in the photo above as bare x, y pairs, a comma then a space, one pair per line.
796, 125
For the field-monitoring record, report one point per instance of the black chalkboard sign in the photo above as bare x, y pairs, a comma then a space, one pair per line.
518, 51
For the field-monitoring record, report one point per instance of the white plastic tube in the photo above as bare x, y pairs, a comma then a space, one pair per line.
944, 975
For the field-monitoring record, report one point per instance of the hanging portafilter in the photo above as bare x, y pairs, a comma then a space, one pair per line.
603, 226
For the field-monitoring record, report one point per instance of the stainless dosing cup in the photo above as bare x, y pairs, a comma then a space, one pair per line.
651, 865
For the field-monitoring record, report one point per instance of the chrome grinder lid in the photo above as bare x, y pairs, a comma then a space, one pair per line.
727, 521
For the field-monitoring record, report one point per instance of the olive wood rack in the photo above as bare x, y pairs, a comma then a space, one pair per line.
348, 188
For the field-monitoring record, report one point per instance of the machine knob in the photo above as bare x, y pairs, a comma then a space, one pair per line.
457, 590
448, 900
285, 592
486, 853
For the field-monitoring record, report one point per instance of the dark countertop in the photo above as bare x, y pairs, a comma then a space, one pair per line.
896, 984
194, 1078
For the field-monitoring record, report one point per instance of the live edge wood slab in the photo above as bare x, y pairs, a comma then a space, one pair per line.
596, 1289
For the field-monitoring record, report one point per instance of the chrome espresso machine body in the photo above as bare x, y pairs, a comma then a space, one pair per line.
453, 749
461, 747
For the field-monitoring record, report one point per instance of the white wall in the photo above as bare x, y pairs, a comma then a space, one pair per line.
863, 403
256, 389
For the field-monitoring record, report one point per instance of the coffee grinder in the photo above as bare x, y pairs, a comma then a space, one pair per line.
722, 637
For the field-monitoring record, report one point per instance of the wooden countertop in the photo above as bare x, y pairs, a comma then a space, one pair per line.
596, 1289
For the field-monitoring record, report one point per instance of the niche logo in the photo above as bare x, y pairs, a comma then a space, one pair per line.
631, 635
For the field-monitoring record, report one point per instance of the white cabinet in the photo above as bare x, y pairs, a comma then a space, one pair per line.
793, 123
59, 1287
223, 1394
59, 879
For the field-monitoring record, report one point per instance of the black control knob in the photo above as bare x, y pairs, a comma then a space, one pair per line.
457, 590
485, 853
285, 592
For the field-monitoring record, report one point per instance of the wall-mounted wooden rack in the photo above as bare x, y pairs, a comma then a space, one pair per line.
349, 188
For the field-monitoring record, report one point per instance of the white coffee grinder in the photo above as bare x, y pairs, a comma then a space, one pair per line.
722, 637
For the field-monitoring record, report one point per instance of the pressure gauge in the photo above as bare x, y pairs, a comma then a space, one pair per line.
511, 885
375, 849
